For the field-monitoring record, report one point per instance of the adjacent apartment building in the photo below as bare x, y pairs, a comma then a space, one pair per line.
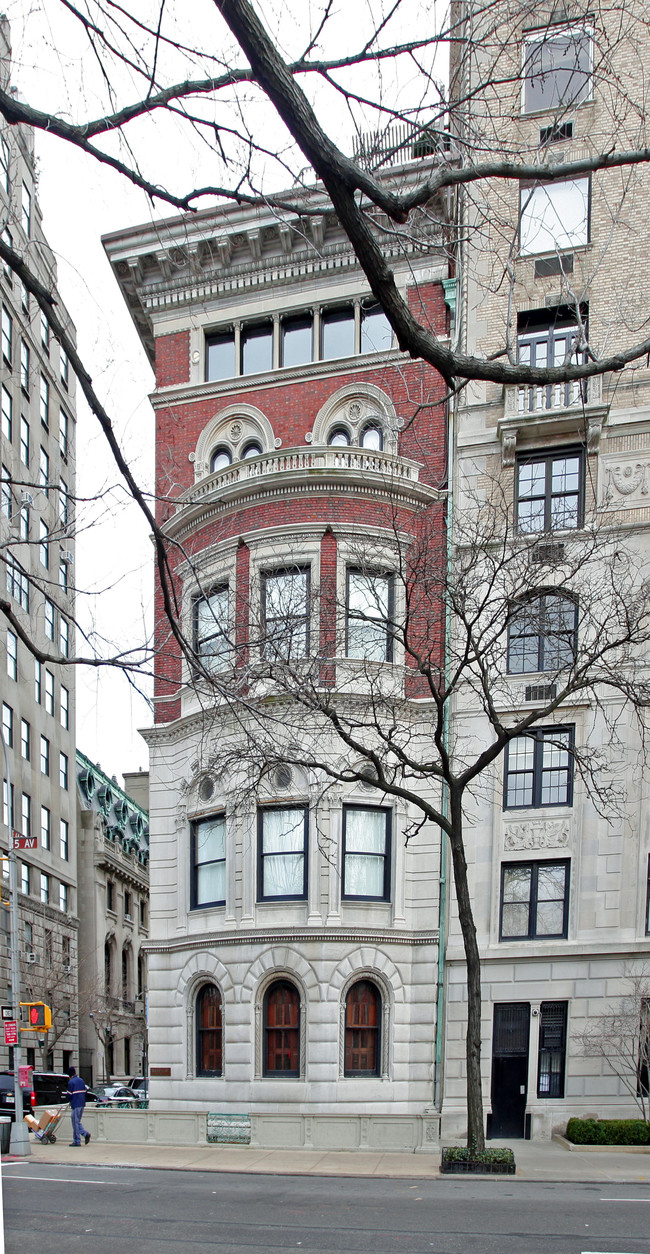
37, 555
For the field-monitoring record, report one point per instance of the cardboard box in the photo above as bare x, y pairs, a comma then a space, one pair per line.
48, 1114
31, 1122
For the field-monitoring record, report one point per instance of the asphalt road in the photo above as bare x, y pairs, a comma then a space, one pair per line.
50, 1210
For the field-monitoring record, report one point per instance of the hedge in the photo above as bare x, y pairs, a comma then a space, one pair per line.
608, 1132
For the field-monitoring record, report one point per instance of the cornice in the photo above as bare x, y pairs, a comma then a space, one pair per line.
267, 936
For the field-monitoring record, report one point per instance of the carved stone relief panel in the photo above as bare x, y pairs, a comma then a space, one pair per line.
626, 482
538, 834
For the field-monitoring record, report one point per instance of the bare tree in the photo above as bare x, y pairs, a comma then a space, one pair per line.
621, 1038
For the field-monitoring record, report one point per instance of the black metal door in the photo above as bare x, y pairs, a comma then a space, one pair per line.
510, 1069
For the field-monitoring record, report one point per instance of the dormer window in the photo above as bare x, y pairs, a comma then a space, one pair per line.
220, 460
372, 437
339, 437
252, 449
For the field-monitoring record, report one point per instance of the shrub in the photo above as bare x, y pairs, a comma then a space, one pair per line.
489, 1157
608, 1132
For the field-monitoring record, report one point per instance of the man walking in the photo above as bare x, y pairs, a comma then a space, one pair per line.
77, 1093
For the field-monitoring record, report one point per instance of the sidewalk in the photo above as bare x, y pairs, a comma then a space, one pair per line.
541, 1160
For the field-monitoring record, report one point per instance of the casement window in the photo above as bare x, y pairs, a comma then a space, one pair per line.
7, 499
25, 740
23, 523
297, 340
44, 470
4, 164
256, 348
285, 606
209, 1031
49, 692
539, 769
44, 403
7, 415
281, 1017
64, 432
49, 615
366, 853
64, 839
542, 634
282, 853
26, 211
26, 814
552, 337
369, 613
64, 702
557, 68
209, 862
63, 897
7, 336
64, 636
45, 756
211, 641
376, 331
24, 367
45, 332
25, 878
7, 725
18, 584
24, 441
554, 217
362, 1030
38, 681
534, 900
46, 828
12, 655
64, 368
63, 576
45, 888
552, 1048
550, 491
43, 545
63, 770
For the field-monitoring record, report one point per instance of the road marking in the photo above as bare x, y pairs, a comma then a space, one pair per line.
625, 1199
57, 1180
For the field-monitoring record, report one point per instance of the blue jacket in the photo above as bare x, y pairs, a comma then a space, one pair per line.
77, 1092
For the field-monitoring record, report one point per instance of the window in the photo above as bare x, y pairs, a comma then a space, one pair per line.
556, 69
108, 967
24, 441
550, 492
297, 347
143, 915
64, 432
285, 598
63, 770
553, 216
220, 355
4, 163
25, 740
362, 1029
539, 769
7, 335
282, 860
18, 584
542, 634
45, 332
46, 828
44, 470
7, 816
64, 697
26, 207
23, 522
209, 862
64, 636
552, 1048
211, 630
338, 438
366, 853
8, 240
141, 975
208, 1031
63, 575
369, 610
45, 888
552, 338
24, 878
7, 415
49, 619
337, 333
8, 725
376, 331
110, 895
24, 297
48, 949
63, 898
372, 437
24, 367
282, 1030
64, 368
220, 460
534, 900
643, 1060
127, 905
7, 500
44, 403
64, 502
252, 449
38, 685
49, 692
43, 545
257, 348
26, 814
45, 756
12, 655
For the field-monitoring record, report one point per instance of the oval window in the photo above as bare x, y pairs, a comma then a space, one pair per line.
252, 449
221, 458
372, 437
339, 437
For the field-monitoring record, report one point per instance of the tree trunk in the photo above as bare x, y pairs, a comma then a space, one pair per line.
475, 1130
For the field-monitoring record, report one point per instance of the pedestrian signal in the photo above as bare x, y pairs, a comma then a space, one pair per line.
39, 1016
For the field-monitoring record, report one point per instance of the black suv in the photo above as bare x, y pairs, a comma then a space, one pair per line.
7, 1103
51, 1087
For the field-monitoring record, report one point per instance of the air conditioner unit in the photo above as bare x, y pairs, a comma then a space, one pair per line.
30, 956
26, 498
67, 557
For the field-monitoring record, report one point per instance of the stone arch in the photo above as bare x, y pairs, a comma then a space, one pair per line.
232, 427
379, 973
202, 968
353, 407
280, 962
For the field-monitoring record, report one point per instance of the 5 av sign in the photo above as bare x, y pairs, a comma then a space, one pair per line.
24, 842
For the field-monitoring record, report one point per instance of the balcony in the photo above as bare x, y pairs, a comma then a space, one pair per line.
302, 470
575, 408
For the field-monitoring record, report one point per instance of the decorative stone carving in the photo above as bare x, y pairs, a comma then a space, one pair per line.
354, 411
180, 822
235, 431
540, 834
626, 480
430, 1132
508, 446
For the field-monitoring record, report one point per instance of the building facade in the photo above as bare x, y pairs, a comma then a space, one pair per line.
560, 881
113, 881
293, 934
37, 552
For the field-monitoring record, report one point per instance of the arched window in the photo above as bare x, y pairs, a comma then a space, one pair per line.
108, 968
282, 1030
362, 1029
252, 449
338, 437
126, 973
208, 1031
542, 634
220, 460
372, 437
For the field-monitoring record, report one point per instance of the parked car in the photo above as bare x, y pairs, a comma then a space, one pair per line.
7, 1098
139, 1084
51, 1087
114, 1095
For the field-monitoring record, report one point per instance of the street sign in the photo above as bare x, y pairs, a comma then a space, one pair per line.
24, 842
11, 1032
7, 1012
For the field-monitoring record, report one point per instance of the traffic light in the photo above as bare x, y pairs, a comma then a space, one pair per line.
39, 1016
